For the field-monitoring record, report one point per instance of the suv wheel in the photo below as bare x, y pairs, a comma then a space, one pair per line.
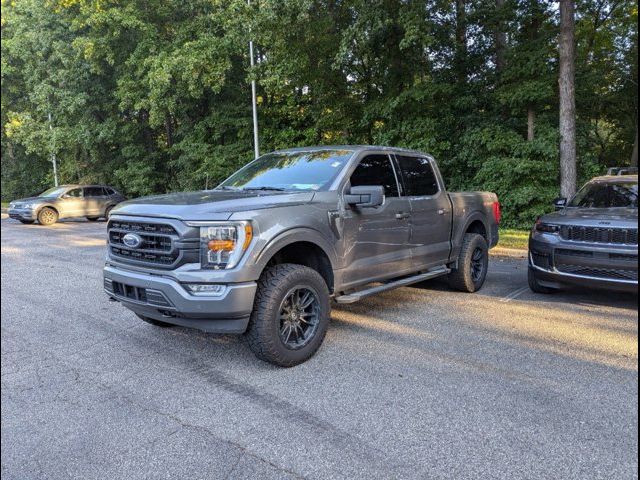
473, 262
290, 315
47, 216
107, 212
26, 222
155, 323
92, 219
535, 286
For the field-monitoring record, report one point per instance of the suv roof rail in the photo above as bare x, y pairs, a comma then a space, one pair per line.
622, 171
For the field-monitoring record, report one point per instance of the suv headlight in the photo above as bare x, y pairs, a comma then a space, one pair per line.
223, 244
546, 227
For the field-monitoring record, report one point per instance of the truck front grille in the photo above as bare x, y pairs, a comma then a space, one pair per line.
621, 236
158, 247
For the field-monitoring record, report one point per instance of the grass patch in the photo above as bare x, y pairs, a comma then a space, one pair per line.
5, 204
510, 238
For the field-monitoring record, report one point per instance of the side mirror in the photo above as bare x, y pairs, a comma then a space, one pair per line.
560, 203
365, 196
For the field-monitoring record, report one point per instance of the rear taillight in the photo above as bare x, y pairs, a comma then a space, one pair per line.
497, 212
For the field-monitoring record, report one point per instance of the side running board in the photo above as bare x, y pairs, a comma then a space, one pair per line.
359, 295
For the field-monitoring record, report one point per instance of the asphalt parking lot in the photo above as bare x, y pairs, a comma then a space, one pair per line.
421, 382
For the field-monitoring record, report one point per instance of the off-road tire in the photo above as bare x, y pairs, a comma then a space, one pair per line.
463, 278
535, 286
92, 219
26, 222
264, 325
155, 323
47, 216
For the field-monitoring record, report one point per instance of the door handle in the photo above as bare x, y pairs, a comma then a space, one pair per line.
402, 215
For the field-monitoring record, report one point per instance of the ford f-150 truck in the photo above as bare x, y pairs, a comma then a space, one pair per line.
267, 251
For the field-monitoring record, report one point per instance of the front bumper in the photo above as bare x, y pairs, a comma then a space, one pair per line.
558, 262
22, 214
163, 298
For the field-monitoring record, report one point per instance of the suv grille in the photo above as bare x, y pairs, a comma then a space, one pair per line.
623, 236
158, 242
608, 273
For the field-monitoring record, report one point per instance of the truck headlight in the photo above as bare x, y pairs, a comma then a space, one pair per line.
222, 245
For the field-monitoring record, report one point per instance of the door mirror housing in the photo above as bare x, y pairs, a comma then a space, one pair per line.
560, 203
365, 196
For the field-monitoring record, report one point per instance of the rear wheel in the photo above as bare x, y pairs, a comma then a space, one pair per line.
155, 323
26, 222
47, 216
290, 315
535, 286
473, 263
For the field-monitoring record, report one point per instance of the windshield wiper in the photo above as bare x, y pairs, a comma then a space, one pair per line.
226, 187
275, 189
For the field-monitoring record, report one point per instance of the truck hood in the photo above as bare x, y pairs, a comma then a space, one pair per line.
209, 204
595, 217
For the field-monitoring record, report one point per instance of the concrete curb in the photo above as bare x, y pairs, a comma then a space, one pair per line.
508, 252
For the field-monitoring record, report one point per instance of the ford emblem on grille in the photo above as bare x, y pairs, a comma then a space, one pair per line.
132, 240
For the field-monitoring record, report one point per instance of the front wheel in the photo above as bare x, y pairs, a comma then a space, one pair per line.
93, 219
290, 315
47, 216
473, 263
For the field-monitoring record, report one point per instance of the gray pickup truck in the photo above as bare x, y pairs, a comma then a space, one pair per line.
266, 251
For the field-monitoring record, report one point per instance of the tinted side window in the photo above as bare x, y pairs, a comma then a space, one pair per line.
75, 193
419, 177
93, 192
109, 191
376, 170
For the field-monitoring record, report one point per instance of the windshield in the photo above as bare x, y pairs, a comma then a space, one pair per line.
53, 192
607, 195
313, 170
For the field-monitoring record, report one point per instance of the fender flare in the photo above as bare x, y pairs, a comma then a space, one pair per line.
288, 237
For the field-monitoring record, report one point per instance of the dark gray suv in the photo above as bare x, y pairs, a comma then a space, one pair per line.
592, 240
66, 201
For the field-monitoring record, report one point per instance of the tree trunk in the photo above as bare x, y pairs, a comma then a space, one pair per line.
500, 38
634, 154
531, 123
567, 99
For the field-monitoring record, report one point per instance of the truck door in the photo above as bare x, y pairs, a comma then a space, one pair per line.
431, 211
376, 239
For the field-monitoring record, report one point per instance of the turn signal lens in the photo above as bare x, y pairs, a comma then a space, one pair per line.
248, 236
221, 245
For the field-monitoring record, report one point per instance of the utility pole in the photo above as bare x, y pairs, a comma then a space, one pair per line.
567, 99
254, 103
53, 154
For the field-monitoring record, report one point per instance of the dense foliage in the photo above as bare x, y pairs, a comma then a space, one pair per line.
154, 95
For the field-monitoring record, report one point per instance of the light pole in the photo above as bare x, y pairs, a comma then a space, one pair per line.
53, 154
254, 104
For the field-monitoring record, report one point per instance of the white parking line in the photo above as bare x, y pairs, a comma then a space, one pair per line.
514, 294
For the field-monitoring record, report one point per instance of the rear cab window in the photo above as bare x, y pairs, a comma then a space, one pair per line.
419, 177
